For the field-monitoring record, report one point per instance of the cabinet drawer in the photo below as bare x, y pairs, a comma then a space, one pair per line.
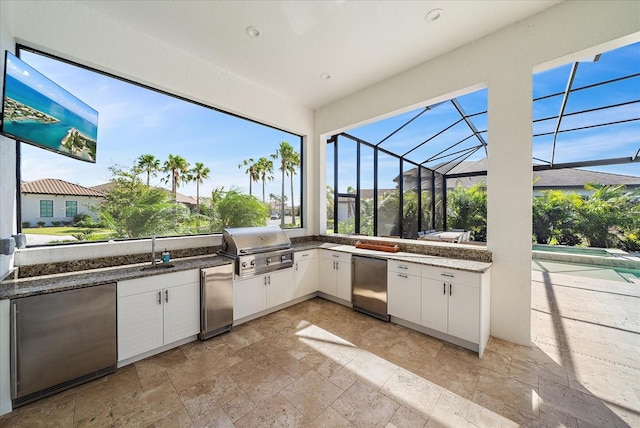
299, 256
404, 267
337, 256
451, 275
130, 287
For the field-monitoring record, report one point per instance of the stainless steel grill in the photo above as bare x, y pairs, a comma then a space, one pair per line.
257, 250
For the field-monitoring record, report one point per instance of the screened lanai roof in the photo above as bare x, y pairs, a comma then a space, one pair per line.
585, 114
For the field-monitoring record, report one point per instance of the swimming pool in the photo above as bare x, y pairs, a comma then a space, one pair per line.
602, 252
603, 257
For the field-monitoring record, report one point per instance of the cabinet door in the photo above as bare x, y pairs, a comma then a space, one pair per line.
404, 296
343, 280
249, 296
181, 311
280, 288
435, 296
464, 312
306, 277
139, 324
327, 276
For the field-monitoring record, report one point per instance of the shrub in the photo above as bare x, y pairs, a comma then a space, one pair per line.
26, 224
56, 223
41, 224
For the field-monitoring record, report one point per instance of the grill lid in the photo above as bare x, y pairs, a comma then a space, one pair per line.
251, 240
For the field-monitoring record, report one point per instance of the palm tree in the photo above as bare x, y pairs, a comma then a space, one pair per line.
149, 164
177, 167
198, 173
251, 171
264, 169
289, 161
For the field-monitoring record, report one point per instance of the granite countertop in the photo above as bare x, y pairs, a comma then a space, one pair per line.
436, 261
24, 287
14, 288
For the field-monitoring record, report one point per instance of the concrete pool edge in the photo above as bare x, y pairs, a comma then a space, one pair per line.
616, 258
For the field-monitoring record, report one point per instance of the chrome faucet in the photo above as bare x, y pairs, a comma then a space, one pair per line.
153, 250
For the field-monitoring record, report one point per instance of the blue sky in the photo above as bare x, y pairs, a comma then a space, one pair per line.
134, 121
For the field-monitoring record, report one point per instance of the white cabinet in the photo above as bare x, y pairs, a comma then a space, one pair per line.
306, 273
255, 294
157, 310
404, 290
456, 303
335, 274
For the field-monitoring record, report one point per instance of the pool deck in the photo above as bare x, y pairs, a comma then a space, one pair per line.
586, 342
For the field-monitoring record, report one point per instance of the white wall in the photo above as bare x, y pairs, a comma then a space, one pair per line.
504, 62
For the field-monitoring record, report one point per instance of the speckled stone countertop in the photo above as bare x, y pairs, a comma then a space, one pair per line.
24, 287
436, 261
87, 273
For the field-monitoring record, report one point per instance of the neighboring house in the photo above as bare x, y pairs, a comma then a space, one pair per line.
187, 201
568, 180
48, 200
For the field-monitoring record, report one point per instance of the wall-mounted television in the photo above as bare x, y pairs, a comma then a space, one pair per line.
37, 111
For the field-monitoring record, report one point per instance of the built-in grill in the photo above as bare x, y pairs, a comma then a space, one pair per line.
257, 250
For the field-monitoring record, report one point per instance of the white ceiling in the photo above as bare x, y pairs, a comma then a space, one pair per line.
357, 42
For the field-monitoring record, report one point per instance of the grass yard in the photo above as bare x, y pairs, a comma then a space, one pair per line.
64, 230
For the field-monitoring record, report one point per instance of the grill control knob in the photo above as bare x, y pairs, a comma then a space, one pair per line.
268, 260
244, 264
283, 257
253, 263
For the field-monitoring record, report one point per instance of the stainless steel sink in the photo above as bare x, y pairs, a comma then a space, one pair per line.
158, 266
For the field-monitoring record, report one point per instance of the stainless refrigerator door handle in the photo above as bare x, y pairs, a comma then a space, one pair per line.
14, 352
159, 297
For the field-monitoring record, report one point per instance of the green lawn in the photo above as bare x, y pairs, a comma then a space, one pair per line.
64, 230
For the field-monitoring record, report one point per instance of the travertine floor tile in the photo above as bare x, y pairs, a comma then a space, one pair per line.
412, 392
363, 406
213, 392
312, 394
331, 418
404, 417
274, 412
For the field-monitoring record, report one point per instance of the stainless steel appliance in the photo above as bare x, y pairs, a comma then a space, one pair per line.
216, 300
60, 340
257, 250
369, 286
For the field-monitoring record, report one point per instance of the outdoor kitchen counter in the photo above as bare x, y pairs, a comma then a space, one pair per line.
437, 261
14, 288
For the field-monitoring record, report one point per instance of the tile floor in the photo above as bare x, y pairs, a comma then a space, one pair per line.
321, 364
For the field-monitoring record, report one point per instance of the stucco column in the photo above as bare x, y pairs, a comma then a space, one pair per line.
509, 192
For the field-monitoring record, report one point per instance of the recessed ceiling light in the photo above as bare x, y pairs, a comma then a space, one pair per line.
433, 15
325, 76
252, 31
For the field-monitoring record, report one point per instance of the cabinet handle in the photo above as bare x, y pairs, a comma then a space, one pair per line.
337, 265
448, 275
296, 266
444, 288
14, 352
305, 255
159, 297
166, 296
450, 287
403, 267
269, 280
265, 281
401, 275
335, 255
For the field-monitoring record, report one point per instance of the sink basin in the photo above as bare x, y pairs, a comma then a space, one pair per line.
159, 266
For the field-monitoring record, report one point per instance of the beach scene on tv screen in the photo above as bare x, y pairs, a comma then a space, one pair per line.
39, 112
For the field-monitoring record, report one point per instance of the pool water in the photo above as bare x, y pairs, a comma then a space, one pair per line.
572, 250
589, 271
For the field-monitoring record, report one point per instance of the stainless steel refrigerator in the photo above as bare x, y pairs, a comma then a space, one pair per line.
216, 300
369, 286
